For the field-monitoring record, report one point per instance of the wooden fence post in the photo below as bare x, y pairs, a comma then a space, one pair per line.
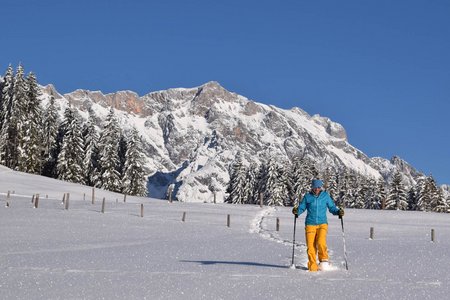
214, 197
371, 233
67, 201
183, 218
64, 199
261, 199
228, 220
93, 195
278, 224
36, 201
7, 199
432, 235
142, 210
32, 199
103, 205
125, 198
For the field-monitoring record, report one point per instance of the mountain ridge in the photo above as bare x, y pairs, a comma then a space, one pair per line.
191, 135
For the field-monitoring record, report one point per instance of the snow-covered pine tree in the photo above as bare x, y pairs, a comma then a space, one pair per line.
237, 182
109, 155
7, 129
250, 183
371, 197
380, 194
302, 174
51, 125
413, 194
423, 194
122, 154
19, 119
134, 181
32, 145
396, 198
273, 194
259, 187
332, 187
441, 204
437, 202
91, 158
70, 159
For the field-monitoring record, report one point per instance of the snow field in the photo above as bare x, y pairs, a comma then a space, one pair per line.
80, 253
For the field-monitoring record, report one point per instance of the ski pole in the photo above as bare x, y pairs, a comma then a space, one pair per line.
293, 243
343, 240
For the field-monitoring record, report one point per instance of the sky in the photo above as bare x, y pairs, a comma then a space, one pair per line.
379, 68
50, 252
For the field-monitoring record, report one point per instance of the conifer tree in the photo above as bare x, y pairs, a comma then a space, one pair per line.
396, 198
424, 194
250, 183
70, 159
274, 193
19, 119
441, 204
237, 182
134, 180
91, 157
32, 144
109, 154
50, 130
7, 130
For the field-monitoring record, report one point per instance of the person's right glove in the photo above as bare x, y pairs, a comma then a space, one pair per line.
341, 212
295, 211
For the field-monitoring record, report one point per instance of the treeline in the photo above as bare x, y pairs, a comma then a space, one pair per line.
35, 140
283, 184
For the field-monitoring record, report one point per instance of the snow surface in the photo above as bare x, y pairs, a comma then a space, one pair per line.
80, 253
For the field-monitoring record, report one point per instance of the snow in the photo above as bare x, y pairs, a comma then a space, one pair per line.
80, 253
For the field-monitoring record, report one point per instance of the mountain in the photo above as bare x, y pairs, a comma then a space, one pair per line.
191, 135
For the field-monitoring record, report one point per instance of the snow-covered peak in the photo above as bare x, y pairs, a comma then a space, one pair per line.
191, 135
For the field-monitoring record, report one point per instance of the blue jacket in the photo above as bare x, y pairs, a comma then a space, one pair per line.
316, 207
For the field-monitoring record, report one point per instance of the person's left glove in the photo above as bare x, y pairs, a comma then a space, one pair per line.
341, 212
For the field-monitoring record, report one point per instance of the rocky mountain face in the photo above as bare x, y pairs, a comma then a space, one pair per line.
191, 135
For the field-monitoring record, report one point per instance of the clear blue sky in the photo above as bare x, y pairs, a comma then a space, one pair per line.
380, 68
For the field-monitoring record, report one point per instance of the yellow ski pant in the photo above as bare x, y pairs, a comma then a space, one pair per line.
316, 242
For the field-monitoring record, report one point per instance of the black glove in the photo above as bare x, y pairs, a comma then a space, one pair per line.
341, 212
295, 211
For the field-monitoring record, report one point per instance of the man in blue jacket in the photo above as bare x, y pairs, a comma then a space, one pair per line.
316, 203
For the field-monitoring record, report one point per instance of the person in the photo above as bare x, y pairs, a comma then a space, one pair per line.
316, 203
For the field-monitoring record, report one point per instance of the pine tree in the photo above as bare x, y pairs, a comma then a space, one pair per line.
437, 203
70, 159
302, 174
91, 157
32, 145
250, 183
109, 157
50, 130
424, 194
19, 119
7, 128
397, 194
236, 187
441, 204
275, 192
134, 180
